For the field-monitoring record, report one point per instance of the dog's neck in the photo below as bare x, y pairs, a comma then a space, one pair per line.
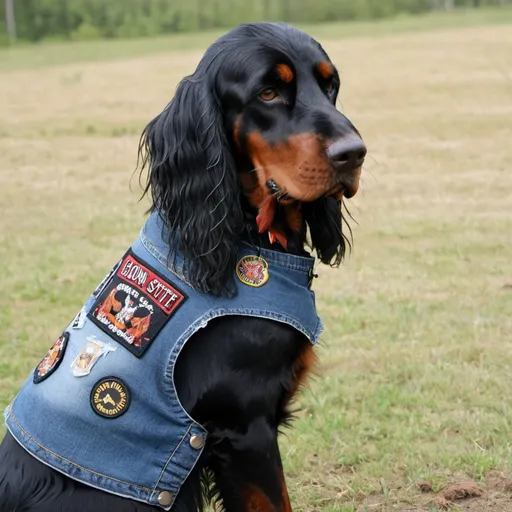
270, 222
284, 231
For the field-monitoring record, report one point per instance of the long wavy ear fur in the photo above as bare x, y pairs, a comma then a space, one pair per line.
325, 220
194, 185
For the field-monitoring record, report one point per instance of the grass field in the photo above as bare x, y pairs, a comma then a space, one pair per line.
416, 360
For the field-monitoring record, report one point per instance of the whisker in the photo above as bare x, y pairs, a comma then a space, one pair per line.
365, 169
274, 166
344, 205
373, 158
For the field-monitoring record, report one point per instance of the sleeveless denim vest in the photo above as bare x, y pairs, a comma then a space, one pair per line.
102, 408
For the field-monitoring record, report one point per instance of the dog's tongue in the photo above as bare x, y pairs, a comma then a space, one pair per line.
265, 218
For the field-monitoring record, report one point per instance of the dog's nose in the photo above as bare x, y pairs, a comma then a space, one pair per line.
347, 153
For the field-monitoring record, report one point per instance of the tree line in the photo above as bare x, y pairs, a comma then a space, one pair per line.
35, 20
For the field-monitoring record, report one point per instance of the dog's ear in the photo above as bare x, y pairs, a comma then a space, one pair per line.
194, 184
325, 221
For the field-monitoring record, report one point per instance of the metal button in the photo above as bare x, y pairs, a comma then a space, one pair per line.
197, 441
165, 498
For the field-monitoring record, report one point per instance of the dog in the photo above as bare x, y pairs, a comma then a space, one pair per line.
247, 170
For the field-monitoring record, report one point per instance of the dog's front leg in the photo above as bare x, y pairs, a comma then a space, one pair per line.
248, 471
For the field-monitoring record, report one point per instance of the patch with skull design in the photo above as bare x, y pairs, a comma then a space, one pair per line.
135, 304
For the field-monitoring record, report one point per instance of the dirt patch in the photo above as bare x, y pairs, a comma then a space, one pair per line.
489, 504
441, 503
424, 486
462, 491
499, 481
468, 496
492, 494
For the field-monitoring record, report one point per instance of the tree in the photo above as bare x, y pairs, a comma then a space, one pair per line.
9, 19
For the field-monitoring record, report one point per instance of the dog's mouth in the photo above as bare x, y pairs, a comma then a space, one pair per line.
279, 200
347, 188
277, 192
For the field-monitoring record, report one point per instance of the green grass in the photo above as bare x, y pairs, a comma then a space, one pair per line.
415, 361
24, 55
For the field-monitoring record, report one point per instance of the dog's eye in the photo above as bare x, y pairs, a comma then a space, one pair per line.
268, 94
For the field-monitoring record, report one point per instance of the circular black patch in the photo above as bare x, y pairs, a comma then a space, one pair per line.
110, 397
52, 359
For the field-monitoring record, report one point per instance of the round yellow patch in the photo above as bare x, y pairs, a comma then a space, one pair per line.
252, 270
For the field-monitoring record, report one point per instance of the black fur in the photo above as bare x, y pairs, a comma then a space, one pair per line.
193, 165
193, 181
238, 376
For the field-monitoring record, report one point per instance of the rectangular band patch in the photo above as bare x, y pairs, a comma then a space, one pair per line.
135, 304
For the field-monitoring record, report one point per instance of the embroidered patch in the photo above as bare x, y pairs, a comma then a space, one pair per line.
252, 270
79, 320
110, 397
93, 350
106, 279
52, 359
135, 305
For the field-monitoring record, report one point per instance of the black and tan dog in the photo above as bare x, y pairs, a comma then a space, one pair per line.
250, 153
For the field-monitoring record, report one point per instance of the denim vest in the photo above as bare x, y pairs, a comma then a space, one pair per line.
102, 408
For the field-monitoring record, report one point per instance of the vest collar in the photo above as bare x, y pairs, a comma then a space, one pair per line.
155, 239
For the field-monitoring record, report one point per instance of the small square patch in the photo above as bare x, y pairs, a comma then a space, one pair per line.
136, 303
79, 320
93, 350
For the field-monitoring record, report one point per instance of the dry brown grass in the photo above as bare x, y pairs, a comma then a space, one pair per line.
416, 356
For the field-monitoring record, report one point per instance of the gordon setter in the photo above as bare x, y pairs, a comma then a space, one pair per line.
251, 149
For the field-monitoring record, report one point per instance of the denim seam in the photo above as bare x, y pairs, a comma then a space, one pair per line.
215, 313
281, 259
125, 495
301, 263
202, 321
169, 460
11, 414
160, 257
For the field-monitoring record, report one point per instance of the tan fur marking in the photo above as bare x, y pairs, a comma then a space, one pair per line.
286, 506
303, 366
293, 216
236, 131
325, 69
256, 501
298, 165
284, 73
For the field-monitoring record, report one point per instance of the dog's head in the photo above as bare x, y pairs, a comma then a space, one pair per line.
255, 127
